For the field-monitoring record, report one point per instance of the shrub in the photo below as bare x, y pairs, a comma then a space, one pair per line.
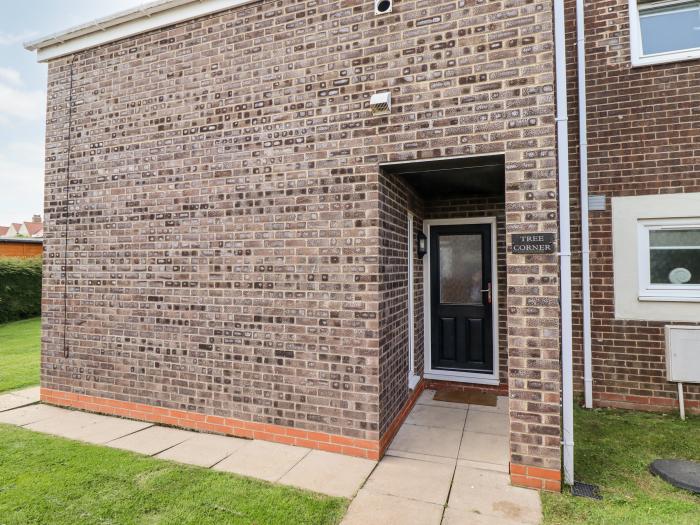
20, 288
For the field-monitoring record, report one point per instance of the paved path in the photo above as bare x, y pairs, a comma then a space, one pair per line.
447, 465
19, 398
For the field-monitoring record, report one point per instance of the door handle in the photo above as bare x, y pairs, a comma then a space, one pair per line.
488, 292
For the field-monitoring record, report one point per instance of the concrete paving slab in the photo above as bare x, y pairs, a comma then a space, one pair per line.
263, 460
109, 429
421, 457
485, 448
67, 424
501, 406
428, 440
11, 401
455, 516
412, 479
490, 493
426, 398
204, 450
152, 440
331, 474
382, 509
30, 414
487, 422
496, 467
31, 393
436, 416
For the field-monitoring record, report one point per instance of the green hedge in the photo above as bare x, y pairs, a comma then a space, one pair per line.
20, 288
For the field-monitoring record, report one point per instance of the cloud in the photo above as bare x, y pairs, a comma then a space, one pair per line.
10, 76
9, 39
17, 103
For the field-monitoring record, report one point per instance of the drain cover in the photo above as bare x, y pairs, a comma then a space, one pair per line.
586, 490
679, 473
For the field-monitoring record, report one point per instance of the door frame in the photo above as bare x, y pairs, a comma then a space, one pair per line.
452, 375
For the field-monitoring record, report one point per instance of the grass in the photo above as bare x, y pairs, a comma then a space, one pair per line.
20, 344
613, 450
49, 480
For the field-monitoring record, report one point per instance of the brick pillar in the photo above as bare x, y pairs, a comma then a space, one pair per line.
534, 378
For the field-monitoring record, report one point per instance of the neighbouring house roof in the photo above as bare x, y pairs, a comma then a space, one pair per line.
35, 229
141, 19
4, 230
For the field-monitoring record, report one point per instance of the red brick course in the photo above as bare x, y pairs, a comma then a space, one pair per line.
221, 425
646, 403
233, 427
499, 390
535, 477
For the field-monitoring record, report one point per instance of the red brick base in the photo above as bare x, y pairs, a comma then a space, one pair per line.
535, 477
398, 420
645, 403
363, 448
438, 384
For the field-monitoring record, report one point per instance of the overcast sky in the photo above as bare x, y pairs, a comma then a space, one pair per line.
23, 94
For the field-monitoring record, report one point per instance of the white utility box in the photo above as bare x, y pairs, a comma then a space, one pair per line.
683, 353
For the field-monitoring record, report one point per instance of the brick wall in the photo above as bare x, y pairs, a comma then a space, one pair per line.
218, 239
643, 133
397, 199
393, 308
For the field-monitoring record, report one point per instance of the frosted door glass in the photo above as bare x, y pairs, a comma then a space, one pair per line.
460, 269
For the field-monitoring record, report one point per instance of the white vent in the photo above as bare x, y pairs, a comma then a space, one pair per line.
683, 353
382, 7
380, 103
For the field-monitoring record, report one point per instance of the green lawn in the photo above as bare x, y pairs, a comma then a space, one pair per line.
49, 480
20, 345
613, 450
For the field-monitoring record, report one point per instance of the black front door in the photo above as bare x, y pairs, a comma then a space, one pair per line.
460, 290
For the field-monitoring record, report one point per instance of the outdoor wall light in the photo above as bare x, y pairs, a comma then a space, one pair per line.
422, 242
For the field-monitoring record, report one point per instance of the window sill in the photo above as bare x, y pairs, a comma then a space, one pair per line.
665, 58
669, 299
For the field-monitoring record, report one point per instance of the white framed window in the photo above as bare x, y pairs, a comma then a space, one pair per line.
669, 259
664, 31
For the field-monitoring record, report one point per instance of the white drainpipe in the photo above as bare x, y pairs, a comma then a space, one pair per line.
564, 244
585, 239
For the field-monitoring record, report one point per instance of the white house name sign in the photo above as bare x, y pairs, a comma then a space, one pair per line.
532, 243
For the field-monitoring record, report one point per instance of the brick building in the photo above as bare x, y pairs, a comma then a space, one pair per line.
237, 241
643, 164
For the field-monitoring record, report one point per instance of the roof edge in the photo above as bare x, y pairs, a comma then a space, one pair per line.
123, 24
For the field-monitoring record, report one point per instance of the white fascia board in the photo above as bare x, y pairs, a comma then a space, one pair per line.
125, 24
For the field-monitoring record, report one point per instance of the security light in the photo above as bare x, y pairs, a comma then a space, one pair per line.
422, 242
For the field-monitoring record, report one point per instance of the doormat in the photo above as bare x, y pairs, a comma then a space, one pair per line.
464, 396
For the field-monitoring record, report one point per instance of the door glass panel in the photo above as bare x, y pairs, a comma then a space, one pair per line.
460, 269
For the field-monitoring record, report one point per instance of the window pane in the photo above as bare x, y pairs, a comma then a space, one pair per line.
672, 28
661, 238
671, 266
460, 269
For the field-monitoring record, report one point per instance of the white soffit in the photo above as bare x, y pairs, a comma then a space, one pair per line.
141, 19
